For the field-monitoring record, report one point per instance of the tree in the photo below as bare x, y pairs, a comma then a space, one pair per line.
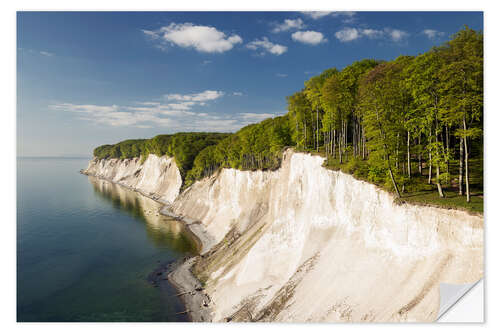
313, 93
462, 79
376, 104
424, 83
298, 106
349, 77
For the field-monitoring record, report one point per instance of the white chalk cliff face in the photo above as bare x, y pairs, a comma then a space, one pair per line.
304, 243
308, 244
157, 177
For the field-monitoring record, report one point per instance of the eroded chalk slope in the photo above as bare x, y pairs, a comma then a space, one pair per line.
304, 243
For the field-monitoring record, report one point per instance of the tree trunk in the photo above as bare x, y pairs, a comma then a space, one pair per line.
430, 158
447, 151
317, 129
325, 142
392, 178
438, 181
297, 130
305, 135
419, 154
334, 142
466, 153
340, 147
387, 155
364, 144
408, 154
354, 141
397, 152
461, 168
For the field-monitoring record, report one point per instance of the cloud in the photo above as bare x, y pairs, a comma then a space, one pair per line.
266, 46
44, 53
207, 95
396, 35
350, 34
206, 62
289, 24
202, 38
237, 93
347, 17
372, 33
316, 15
432, 34
347, 34
47, 54
84, 108
281, 75
183, 114
309, 37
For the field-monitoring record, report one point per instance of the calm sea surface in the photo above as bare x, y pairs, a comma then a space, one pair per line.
85, 247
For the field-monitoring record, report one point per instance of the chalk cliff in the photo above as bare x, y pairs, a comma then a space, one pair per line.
304, 243
157, 177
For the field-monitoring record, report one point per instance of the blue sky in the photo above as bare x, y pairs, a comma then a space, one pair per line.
85, 79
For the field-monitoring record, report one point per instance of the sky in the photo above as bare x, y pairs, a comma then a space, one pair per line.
90, 78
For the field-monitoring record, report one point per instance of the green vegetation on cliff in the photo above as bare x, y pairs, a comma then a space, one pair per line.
184, 147
412, 125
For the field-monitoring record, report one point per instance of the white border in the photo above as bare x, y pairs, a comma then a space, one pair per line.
8, 164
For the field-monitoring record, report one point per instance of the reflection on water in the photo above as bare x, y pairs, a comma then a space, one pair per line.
162, 230
86, 247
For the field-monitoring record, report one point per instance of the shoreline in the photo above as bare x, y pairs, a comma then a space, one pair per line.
196, 302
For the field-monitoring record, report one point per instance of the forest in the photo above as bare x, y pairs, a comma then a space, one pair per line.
184, 147
413, 125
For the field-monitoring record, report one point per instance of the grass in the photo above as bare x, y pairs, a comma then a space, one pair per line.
451, 200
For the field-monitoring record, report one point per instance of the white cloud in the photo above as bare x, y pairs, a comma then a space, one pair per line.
202, 38
309, 37
347, 17
183, 114
206, 62
372, 33
317, 14
237, 93
84, 108
148, 103
267, 46
156, 116
47, 54
206, 95
143, 114
281, 75
347, 34
432, 34
350, 34
396, 35
289, 24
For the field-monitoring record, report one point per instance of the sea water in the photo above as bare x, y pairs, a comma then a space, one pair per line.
85, 247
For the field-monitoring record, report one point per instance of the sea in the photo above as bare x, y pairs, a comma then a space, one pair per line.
86, 248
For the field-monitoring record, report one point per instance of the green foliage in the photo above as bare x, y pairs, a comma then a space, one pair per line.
184, 147
257, 146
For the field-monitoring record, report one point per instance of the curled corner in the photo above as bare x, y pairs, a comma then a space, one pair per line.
450, 294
